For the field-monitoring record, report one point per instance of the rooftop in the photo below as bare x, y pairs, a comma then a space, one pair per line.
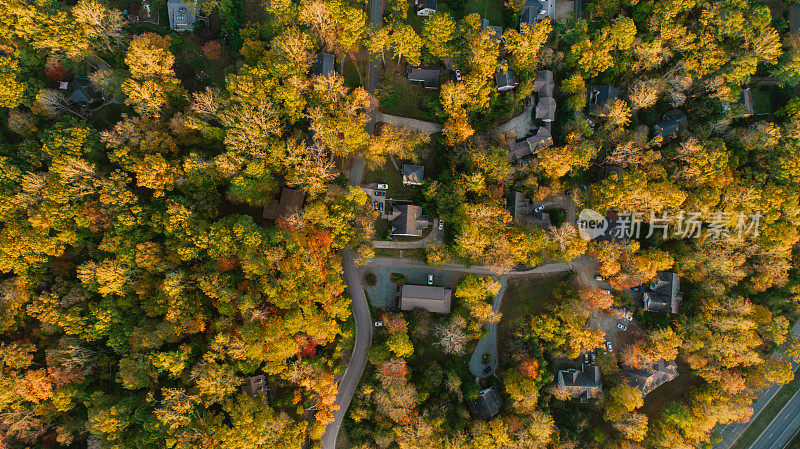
488, 404
324, 64
431, 298
543, 84
428, 77
650, 378
181, 15
665, 294
505, 80
407, 219
601, 98
413, 174
584, 383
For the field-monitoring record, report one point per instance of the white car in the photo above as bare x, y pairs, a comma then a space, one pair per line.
383, 186
599, 278
441, 224
609, 347
379, 324
430, 279
622, 326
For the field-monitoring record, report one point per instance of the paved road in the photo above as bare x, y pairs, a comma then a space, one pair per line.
785, 426
731, 432
363, 320
488, 345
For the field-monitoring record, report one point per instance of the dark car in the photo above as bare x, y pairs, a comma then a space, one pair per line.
380, 193
538, 209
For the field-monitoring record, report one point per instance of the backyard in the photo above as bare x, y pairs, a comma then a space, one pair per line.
524, 297
399, 96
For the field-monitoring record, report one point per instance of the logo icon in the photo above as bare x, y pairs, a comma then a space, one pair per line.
591, 224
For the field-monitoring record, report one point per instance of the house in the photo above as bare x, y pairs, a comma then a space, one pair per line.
408, 220
672, 123
546, 109
665, 295
425, 7
80, 91
583, 384
537, 10
324, 65
290, 202
543, 84
181, 15
412, 174
505, 80
522, 211
488, 404
530, 146
650, 378
601, 98
255, 385
431, 298
495, 31
428, 77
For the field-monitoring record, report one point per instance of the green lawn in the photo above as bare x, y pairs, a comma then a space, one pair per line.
524, 297
399, 96
768, 414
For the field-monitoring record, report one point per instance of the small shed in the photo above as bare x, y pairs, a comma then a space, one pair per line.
413, 174
429, 77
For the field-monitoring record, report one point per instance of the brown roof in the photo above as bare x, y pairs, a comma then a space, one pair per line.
428, 297
291, 201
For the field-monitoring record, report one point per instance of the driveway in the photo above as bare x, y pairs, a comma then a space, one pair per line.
522, 124
405, 122
488, 344
434, 237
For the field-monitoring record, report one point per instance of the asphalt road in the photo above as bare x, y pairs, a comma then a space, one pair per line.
781, 430
488, 345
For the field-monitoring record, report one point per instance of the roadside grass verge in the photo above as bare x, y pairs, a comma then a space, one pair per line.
756, 428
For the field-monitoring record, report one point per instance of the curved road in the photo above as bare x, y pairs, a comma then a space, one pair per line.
349, 382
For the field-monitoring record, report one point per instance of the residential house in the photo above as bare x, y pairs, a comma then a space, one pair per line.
80, 91
412, 174
649, 378
408, 220
543, 84
537, 10
672, 123
529, 147
181, 15
505, 80
488, 404
290, 202
522, 211
431, 298
425, 7
583, 384
255, 385
429, 77
665, 294
324, 65
601, 98
496, 31
546, 109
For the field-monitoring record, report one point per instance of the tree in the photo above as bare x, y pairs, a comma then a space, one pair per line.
451, 335
401, 345
632, 426
438, 32
524, 45
621, 400
104, 24
11, 90
253, 424
456, 128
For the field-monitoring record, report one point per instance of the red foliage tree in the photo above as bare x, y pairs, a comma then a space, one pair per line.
213, 50
55, 71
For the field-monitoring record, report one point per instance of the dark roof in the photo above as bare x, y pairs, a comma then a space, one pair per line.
601, 97
81, 91
505, 80
650, 378
665, 295
530, 146
181, 15
324, 64
536, 10
413, 174
522, 212
488, 404
543, 84
672, 123
428, 77
584, 383
794, 18
497, 31
291, 201
546, 109
407, 219
429, 297
255, 385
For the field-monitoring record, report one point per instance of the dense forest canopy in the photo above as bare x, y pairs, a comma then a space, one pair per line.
141, 283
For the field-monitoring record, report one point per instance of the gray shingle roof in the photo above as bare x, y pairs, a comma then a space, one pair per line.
530, 146
489, 403
546, 109
584, 383
407, 219
601, 98
665, 295
543, 84
181, 15
324, 64
672, 123
431, 298
505, 80
650, 378
428, 77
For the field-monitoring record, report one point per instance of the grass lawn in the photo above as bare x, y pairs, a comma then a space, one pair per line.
399, 96
414, 254
768, 414
353, 74
524, 297
387, 174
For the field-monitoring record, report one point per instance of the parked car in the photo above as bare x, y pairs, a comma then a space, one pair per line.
380, 207
457, 74
586, 358
636, 289
609, 347
593, 358
607, 292
630, 317
597, 277
379, 324
383, 186
441, 224
590, 123
377, 205
622, 326
380, 193
430, 279
538, 209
